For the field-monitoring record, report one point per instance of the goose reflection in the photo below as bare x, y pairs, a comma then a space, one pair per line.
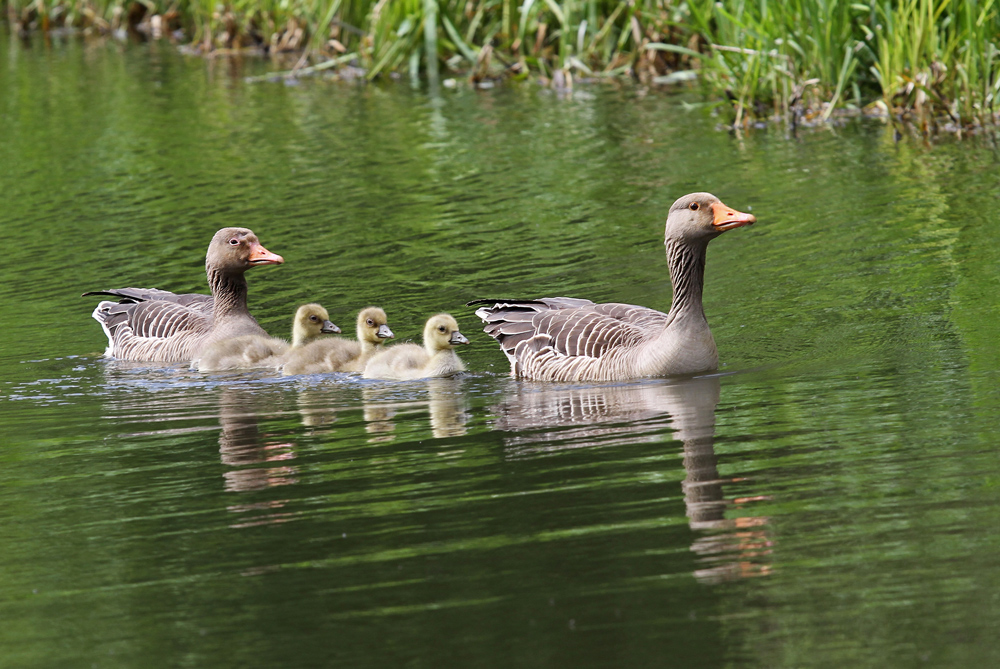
543, 417
244, 449
170, 398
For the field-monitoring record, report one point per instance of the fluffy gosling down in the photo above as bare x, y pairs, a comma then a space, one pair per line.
335, 354
437, 357
255, 351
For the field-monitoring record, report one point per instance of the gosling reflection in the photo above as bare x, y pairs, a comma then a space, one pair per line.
542, 417
315, 410
172, 398
445, 403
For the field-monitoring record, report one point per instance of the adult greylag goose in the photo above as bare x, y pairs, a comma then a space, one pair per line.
172, 328
249, 351
334, 354
568, 339
436, 357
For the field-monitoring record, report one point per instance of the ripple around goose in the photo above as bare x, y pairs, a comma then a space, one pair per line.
570, 339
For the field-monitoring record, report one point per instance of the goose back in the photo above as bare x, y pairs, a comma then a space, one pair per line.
195, 301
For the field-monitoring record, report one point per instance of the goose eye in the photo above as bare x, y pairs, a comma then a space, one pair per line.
313, 319
694, 206
370, 323
234, 242
440, 328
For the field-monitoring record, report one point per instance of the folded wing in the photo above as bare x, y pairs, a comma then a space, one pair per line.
560, 338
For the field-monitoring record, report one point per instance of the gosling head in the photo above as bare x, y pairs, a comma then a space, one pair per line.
311, 320
441, 333
237, 250
702, 216
372, 327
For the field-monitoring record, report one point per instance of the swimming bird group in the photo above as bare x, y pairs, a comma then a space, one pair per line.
545, 339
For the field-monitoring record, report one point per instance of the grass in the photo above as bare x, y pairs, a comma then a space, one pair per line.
926, 61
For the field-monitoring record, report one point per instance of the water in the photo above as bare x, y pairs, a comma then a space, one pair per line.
830, 498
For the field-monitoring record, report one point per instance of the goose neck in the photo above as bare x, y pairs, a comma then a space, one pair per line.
229, 291
686, 260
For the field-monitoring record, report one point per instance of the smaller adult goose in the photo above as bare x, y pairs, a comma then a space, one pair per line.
249, 351
437, 357
568, 339
159, 326
334, 354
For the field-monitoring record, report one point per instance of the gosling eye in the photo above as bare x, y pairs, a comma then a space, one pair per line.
440, 328
313, 319
370, 323
234, 242
694, 206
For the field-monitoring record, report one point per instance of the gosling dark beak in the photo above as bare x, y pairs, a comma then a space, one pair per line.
727, 218
329, 328
261, 256
457, 338
384, 332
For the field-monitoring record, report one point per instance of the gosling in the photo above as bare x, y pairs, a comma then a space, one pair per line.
256, 351
335, 354
437, 357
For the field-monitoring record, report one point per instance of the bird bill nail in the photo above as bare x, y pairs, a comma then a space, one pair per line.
261, 256
727, 219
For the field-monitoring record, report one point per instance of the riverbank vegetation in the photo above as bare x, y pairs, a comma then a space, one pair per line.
930, 62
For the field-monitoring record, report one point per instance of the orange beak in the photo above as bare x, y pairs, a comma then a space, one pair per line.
261, 256
727, 219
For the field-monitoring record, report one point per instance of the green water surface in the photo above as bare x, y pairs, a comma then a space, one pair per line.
831, 498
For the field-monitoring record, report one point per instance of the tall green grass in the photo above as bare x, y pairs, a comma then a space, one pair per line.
925, 59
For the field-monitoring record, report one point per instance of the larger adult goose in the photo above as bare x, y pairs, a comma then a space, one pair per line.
150, 325
568, 339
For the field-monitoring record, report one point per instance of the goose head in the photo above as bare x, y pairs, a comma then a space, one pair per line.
441, 333
236, 250
311, 320
702, 216
372, 327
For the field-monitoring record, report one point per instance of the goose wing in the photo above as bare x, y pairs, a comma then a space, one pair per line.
559, 329
151, 331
